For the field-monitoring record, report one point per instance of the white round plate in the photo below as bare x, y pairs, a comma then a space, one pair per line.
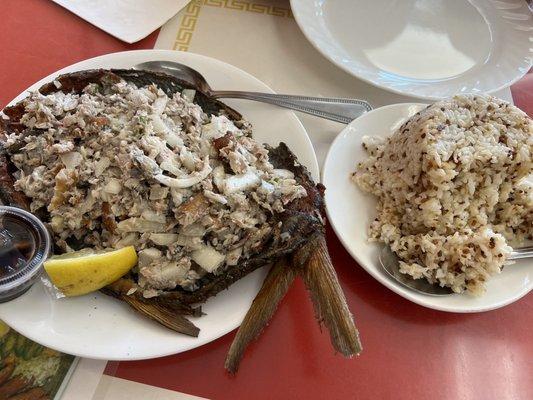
350, 211
430, 49
97, 326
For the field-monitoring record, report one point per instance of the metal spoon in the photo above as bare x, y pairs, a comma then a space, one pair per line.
389, 262
335, 109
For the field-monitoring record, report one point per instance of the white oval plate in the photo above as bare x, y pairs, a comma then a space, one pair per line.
350, 211
430, 49
97, 326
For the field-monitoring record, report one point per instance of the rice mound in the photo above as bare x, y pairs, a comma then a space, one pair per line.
453, 190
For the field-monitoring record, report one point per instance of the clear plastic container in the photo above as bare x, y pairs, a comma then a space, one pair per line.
24, 246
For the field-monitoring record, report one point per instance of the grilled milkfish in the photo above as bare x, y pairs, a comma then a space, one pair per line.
285, 227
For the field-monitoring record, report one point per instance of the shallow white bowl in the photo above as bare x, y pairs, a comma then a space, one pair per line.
350, 211
430, 49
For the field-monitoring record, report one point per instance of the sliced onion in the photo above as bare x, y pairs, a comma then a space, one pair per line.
188, 181
158, 192
113, 186
152, 216
72, 159
208, 258
188, 159
188, 94
173, 139
158, 125
101, 166
88, 203
283, 173
129, 240
241, 182
140, 225
193, 230
159, 105
164, 239
215, 197
267, 187
232, 257
171, 165
218, 127
148, 255
219, 175
190, 242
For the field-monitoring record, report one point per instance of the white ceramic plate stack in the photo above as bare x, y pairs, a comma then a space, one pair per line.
429, 49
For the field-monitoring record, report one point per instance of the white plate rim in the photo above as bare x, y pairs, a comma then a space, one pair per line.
389, 283
298, 16
155, 54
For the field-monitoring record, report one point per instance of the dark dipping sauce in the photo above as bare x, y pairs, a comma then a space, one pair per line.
24, 246
17, 244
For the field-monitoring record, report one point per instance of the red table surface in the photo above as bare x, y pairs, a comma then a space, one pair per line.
410, 352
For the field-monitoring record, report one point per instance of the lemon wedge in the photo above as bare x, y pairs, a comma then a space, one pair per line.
86, 271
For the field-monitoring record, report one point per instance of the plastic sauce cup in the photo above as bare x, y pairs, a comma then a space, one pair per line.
24, 246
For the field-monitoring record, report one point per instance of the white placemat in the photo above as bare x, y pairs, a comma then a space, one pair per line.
127, 20
84, 380
111, 388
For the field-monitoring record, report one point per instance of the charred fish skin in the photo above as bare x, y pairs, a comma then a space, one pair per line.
8, 195
291, 228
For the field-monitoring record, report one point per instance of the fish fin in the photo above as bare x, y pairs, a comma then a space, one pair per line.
178, 307
275, 286
120, 287
123, 286
328, 299
157, 311
164, 315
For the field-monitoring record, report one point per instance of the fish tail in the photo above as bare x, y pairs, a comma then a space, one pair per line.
275, 286
328, 299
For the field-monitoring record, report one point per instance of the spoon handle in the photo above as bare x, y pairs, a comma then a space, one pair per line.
335, 109
523, 252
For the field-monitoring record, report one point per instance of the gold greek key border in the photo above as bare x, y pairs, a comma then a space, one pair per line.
188, 23
244, 5
192, 12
